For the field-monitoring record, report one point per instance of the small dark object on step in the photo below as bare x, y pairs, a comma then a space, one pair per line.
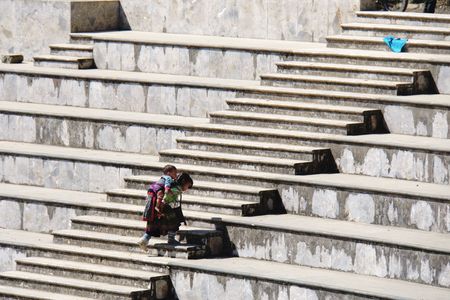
12, 58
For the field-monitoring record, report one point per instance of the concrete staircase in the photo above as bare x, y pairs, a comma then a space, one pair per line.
367, 218
78, 54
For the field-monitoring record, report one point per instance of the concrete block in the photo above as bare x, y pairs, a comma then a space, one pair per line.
10, 214
36, 218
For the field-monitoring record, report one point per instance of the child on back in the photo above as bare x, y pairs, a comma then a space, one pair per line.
161, 200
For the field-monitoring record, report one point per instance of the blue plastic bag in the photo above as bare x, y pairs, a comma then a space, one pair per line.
395, 44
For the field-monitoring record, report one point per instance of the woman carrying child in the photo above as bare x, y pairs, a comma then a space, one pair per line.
162, 211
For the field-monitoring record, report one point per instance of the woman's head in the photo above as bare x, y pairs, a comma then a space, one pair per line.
185, 181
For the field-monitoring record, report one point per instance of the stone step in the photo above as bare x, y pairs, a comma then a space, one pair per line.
353, 154
78, 50
191, 202
403, 31
368, 249
292, 123
258, 274
158, 283
42, 245
117, 87
76, 287
66, 62
350, 71
189, 54
135, 228
157, 247
11, 292
353, 85
208, 189
237, 161
81, 38
243, 147
377, 43
404, 18
304, 109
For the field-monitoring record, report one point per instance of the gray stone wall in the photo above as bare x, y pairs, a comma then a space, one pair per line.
29, 26
302, 20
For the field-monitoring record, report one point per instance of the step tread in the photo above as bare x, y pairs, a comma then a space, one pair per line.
251, 144
61, 58
72, 47
396, 27
36, 294
374, 39
135, 224
252, 268
70, 282
347, 67
337, 80
277, 117
302, 105
91, 268
252, 85
115, 238
232, 157
203, 41
186, 198
405, 15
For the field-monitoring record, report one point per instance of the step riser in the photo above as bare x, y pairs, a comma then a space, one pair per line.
383, 47
229, 164
244, 151
186, 205
90, 134
151, 97
296, 112
81, 40
366, 207
343, 254
402, 21
72, 52
62, 290
402, 34
372, 61
336, 87
96, 244
279, 124
63, 65
344, 73
121, 262
192, 61
86, 275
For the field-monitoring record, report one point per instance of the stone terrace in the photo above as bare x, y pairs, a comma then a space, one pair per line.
320, 170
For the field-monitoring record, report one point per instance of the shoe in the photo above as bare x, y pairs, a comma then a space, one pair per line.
143, 244
172, 241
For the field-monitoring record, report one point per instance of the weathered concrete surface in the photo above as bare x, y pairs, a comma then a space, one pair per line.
29, 26
113, 136
315, 246
172, 95
371, 207
194, 55
305, 20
